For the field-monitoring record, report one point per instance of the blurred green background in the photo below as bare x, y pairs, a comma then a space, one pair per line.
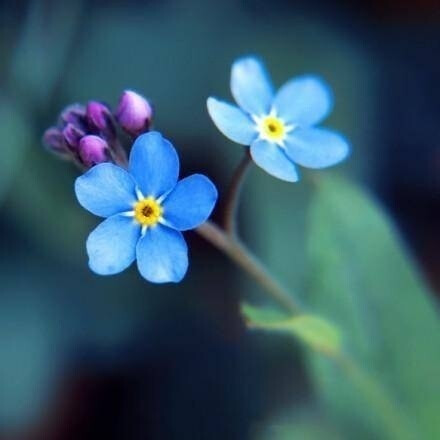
83, 356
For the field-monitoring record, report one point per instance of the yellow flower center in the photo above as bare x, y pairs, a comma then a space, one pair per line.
273, 128
148, 211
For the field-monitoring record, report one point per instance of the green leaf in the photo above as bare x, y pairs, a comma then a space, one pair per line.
302, 422
298, 430
261, 316
361, 278
313, 331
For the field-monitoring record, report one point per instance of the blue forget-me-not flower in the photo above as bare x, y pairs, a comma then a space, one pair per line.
145, 210
280, 127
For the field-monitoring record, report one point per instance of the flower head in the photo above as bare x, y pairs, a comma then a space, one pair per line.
134, 113
93, 150
72, 135
77, 121
84, 134
100, 120
54, 140
145, 210
280, 127
74, 114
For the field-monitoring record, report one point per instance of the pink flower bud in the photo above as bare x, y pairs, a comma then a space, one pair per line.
72, 135
54, 141
93, 150
74, 114
100, 119
134, 113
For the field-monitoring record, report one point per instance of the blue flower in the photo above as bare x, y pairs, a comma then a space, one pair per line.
145, 209
279, 127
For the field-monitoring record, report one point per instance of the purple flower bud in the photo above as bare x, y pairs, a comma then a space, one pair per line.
93, 150
72, 135
100, 119
74, 114
54, 141
134, 113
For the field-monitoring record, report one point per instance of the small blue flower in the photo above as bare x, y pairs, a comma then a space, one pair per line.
145, 210
279, 127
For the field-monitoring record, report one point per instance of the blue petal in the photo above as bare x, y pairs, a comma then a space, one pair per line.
251, 86
162, 255
154, 164
304, 101
111, 246
105, 190
316, 147
190, 203
233, 122
273, 160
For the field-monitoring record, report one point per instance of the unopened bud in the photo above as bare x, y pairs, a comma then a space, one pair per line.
72, 135
93, 150
134, 113
100, 120
54, 141
74, 114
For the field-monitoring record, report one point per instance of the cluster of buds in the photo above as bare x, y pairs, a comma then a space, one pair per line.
88, 134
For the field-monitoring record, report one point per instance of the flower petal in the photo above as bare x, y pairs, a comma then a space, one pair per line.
111, 245
316, 147
162, 255
304, 101
105, 190
154, 164
233, 122
251, 86
190, 203
273, 160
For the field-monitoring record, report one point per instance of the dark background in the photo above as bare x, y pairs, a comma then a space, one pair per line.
83, 356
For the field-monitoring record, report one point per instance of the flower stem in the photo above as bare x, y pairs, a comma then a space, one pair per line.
366, 384
235, 250
233, 194
119, 154
226, 240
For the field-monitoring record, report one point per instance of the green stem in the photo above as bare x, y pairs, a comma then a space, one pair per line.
367, 385
226, 241
235, 250
233, 194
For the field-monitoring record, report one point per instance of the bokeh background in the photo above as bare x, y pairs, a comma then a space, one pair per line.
83, 356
